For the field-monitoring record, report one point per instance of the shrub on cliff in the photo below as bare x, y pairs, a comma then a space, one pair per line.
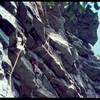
81, 7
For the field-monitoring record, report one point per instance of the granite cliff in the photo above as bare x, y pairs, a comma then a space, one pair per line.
45, 55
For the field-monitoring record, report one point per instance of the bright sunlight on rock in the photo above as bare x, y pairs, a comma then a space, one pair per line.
45, 50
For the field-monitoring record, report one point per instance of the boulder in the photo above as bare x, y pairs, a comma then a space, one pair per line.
87, 27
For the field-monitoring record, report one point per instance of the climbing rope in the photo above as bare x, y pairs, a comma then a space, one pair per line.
13, 67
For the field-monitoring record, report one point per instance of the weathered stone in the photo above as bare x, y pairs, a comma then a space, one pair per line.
30, 42
71, 93
9, 7
48, 86
5, 89
22, 13
67, 52
87, 28
23, 67
60, 86
53, 63
43, 92
39, 27
92, 71
4, 39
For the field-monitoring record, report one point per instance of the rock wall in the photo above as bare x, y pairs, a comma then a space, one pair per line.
55, 58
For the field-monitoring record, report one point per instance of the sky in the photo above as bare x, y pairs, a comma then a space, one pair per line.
96, 47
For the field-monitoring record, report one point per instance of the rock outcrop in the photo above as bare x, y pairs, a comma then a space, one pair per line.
51, 55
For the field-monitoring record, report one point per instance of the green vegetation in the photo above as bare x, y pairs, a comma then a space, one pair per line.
50, 4
70, 5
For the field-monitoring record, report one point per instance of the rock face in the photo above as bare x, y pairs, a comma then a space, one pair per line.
84, 26
52, 58
5, 89
88, 28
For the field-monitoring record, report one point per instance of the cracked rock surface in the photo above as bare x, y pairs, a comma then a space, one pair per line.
56, 60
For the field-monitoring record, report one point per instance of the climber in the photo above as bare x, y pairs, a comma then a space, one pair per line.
37, 72
35, 66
